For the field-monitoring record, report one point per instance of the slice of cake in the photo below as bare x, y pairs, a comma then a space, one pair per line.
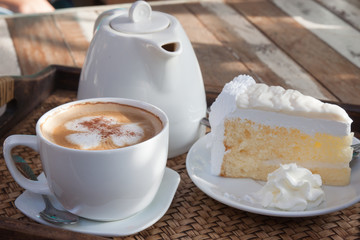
255, 128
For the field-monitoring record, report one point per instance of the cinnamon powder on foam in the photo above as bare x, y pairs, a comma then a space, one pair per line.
104, 127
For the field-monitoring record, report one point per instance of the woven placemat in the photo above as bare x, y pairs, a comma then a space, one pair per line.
192, 214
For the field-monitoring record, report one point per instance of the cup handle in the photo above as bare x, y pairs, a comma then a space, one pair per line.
31, 142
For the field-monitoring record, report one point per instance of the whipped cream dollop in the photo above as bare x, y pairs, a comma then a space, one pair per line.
290, 188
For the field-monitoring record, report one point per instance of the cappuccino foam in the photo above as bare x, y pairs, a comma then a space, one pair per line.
100, 126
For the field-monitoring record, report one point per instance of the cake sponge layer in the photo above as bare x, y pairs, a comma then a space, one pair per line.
254, 150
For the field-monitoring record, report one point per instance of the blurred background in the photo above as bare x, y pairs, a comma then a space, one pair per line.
36, 6
81, 3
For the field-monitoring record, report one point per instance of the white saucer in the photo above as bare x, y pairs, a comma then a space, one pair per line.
31, 204
231, 191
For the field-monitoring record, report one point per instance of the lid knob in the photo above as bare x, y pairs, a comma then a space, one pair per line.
140, 20
140, 11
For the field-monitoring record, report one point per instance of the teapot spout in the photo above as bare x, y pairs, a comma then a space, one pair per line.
167, 50
172, 47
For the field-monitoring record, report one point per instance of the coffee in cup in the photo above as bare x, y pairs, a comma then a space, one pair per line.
100, 126
117, 179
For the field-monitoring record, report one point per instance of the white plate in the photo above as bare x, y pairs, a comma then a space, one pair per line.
31, 204
231, 191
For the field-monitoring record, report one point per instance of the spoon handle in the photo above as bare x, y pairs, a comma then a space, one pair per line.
50, 213
24, 167
28, 172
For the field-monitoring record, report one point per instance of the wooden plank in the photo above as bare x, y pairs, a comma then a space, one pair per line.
76, 28
348, 11
266, 61
324, 24
8, 59
38, 43
331, 69
218, 64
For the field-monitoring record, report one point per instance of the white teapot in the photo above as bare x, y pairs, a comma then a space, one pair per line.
146, 55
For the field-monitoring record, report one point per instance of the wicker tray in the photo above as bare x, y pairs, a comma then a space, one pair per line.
192, 214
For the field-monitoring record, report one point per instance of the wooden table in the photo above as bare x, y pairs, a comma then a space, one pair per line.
309, 45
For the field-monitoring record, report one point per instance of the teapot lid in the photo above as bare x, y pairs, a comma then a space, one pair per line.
140, 19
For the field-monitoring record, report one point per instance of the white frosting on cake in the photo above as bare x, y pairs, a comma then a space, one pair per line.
292, 102
226, 101
290, 188
274, 106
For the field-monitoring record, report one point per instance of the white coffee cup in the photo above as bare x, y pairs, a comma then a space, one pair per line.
103, 185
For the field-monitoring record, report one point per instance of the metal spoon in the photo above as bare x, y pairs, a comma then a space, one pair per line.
53, 215
50, 213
